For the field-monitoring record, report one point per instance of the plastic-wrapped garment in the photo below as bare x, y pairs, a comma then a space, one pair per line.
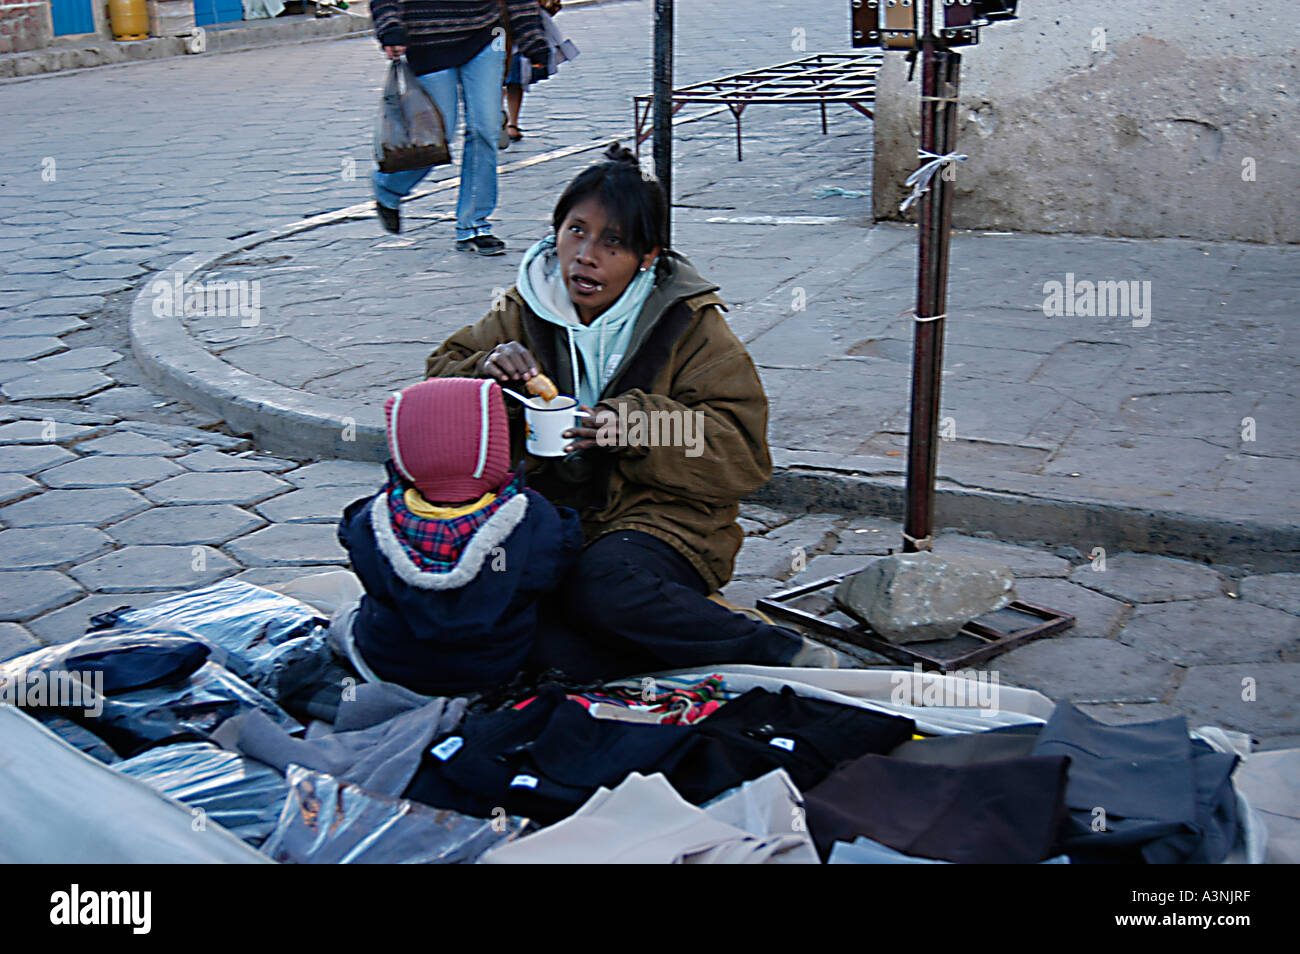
134, 689
108, 662
77, 736
243, 796
273, 642
329, 821
184, 711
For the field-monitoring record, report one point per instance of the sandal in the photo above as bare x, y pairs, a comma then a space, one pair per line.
516, 135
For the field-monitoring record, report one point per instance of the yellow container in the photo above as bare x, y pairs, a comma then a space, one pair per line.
129, 19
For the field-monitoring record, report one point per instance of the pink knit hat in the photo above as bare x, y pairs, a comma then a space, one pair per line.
450, 437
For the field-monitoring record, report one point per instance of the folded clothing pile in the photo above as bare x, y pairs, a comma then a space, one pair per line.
544, 760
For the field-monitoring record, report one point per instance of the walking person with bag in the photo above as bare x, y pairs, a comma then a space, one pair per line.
452, 47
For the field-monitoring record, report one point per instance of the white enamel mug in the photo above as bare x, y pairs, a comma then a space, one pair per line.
546, 426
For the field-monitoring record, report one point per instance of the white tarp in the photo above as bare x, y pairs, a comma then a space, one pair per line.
60, 806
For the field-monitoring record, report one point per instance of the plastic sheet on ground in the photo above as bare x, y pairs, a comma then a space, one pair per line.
274, 642
328, 821
241, 795
60, 806
895, 691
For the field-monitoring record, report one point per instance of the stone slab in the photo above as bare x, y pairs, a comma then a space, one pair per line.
198, 523
312, 504
56, 384
1217, 630
15, 641
78, 359
99, 470
15, 487
1096, 670
1095, 615
47, 547
1141, 578
1280, 591
246, 487
59, 507
27, 349
128, 444
41, 432
148, 568
33, 458
334, 473
1213, 695
210, 459
285, 544
28, 593
1021, 561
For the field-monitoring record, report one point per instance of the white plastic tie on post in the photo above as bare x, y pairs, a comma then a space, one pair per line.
920, 179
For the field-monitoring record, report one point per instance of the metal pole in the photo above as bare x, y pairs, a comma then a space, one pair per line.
663, 102
939, 75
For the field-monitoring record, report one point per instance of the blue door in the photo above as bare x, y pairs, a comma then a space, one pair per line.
207, 12
72, 16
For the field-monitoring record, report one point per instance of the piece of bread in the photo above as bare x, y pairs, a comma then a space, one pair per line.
541, 386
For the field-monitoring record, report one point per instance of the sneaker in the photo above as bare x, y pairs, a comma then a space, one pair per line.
483, 244
391, 219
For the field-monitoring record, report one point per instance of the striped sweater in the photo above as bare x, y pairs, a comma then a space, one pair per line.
447, 22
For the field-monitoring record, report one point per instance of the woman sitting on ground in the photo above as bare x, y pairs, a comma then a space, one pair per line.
675, 433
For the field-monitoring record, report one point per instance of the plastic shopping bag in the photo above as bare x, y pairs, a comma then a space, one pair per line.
410, 134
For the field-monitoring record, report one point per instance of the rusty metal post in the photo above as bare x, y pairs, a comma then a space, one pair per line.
939, 76
663, 102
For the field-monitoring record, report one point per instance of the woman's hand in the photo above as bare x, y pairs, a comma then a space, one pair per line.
394, 52
602, 421
508, 362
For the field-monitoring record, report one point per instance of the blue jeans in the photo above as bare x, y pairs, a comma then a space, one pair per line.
478, 84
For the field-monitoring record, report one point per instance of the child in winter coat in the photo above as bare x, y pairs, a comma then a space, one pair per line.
454, 551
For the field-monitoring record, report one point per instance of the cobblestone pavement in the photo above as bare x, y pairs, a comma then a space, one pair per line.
113, 494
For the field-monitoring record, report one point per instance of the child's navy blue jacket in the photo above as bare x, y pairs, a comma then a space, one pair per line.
449, 633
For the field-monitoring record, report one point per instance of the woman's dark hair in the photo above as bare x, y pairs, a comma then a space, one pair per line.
635, 204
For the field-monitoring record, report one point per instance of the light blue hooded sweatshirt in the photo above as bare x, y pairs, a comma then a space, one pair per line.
601, 344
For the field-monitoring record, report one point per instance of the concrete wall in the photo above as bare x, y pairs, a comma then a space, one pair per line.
1150, 118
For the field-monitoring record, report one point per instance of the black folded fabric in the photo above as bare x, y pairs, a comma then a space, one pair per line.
761, 731
1011, 742
1005, 812
1141, 792
545, 760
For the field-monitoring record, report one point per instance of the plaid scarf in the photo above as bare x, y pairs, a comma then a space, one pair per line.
435, 546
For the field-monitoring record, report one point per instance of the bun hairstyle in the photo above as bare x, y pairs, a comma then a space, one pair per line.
633, 202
